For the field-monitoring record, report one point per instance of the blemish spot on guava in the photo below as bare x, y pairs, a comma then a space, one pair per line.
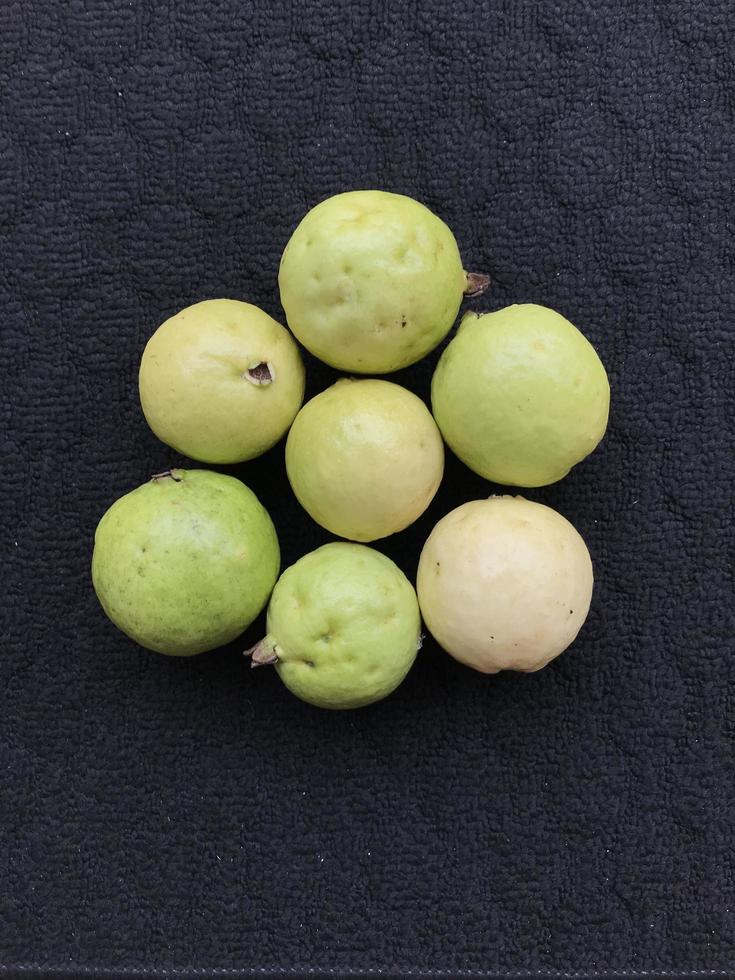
404, 321
571, 611
539, 345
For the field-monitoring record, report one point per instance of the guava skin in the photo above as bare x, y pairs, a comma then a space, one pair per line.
520, 395
504, 584
221, 381
371, 281
364, 458
185, 562
344, 625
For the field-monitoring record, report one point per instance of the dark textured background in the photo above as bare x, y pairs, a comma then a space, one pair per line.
176, 815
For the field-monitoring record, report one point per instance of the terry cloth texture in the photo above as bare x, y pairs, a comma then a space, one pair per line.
179, 815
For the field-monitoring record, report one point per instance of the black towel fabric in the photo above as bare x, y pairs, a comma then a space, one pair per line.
181, 815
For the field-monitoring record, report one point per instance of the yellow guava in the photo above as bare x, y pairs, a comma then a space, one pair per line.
372, 281
504, 584
520, 395
364, 458
221, 381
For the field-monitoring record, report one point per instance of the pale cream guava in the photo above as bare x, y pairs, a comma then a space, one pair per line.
185, 562
221, 381
504, 584
520, 395
343, 627
372, 281
364, 458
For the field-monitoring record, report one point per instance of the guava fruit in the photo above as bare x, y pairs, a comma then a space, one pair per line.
504, 584
221, 381
364, 458
520, 395
343, 627
372, 281
185, 562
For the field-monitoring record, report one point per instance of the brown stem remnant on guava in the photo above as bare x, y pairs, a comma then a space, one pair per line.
263, 654
477, 283
261, 374
166, 475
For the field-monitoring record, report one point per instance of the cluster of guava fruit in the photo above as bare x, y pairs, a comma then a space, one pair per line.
370, 282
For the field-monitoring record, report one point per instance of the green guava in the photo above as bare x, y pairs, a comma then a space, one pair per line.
343, 627
372, 281
185, 562
504, 584
364, 458
221, 381
520, 395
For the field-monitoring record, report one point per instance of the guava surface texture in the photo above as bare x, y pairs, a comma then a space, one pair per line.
364, 458
221, 381
185, 562
344, 625
371, 281
520, 395
504, 584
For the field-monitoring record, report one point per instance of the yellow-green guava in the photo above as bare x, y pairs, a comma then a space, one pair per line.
520, 395
343, 627
221, 381
372, 281
504, 584
185, 562
364, 458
